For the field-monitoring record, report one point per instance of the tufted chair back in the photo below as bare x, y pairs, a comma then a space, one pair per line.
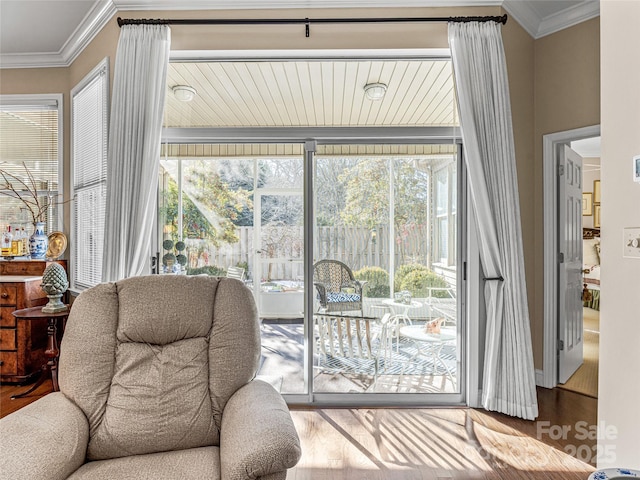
152, 361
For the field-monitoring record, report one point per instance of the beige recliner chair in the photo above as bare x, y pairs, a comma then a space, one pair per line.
156, 382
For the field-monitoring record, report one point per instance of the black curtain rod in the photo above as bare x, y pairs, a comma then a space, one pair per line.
306, 21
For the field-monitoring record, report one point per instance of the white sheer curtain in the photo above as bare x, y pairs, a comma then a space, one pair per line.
485, 117
134, 148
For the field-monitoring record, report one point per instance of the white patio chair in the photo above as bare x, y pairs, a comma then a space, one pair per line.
442, 303
348, 344
236, 272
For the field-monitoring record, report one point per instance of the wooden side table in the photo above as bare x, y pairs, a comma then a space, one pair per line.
52, 352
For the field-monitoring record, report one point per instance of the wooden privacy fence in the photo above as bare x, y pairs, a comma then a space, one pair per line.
281, 249
360, 247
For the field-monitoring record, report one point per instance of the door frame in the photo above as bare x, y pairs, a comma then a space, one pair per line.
471, 319
548, 376
468, 262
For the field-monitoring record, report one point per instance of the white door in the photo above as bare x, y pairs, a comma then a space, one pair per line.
570, 263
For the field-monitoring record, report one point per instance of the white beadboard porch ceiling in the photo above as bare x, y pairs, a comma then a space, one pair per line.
312, 93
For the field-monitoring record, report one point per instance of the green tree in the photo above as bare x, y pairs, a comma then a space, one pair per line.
194, 224
329, 184
367, 193
221, 204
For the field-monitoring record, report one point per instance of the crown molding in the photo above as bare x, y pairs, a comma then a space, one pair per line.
31, 60
104, 10
568, 18
91, 25
523, 14
145, 5
93, 22
540, 27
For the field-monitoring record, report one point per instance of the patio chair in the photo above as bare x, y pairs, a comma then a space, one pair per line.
236, 272
442, 303
338, 290
356, 345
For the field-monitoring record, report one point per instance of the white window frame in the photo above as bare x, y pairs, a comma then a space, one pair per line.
101, 69
43, 100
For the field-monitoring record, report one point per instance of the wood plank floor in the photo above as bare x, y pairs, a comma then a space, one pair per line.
433, 443
457, 443
8, 406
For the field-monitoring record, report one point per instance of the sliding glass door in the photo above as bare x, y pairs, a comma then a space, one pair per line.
351, 252
386, 216
339, 209
225, 207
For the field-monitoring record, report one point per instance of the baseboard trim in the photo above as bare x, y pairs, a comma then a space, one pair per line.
540, 378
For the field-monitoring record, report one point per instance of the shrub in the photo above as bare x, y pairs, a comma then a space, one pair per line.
377, 281
405, 270
419, 281
244, 265
211, 270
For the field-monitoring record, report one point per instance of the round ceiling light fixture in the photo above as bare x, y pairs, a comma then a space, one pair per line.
184, 93
375, 91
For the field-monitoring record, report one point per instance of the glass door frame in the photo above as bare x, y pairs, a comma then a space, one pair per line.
386, 399
310, 137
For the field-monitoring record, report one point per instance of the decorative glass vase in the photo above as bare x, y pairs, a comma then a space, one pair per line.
38, 242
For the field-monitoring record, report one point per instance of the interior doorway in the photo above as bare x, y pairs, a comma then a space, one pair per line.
583, 377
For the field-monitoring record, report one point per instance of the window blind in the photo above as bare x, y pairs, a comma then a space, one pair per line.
29, 142
89, 115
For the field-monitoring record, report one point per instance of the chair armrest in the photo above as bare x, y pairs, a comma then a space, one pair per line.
450, 293
322, 293
359, 284
257, 435
46, 439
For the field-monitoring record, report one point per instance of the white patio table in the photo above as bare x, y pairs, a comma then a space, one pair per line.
431, 342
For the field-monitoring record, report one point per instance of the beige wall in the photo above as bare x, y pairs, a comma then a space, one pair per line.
554, 84
567, 76
329, 36
619, 387
567, 96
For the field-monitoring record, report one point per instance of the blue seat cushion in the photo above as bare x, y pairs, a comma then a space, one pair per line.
342, 297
